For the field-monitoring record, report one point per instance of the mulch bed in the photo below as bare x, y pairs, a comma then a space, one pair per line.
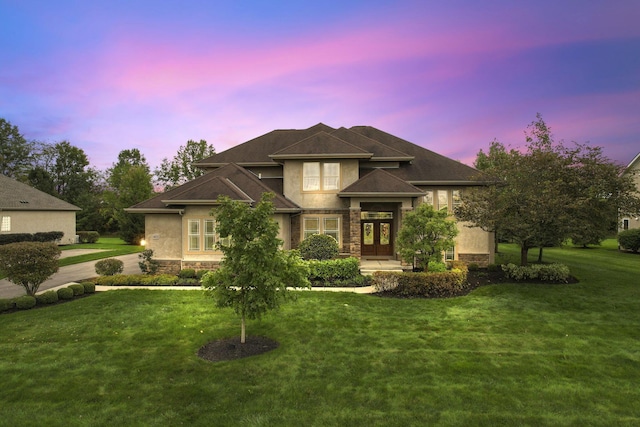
232, 349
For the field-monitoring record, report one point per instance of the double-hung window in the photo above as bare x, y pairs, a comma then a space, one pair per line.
194, 234
324, 224
319, 176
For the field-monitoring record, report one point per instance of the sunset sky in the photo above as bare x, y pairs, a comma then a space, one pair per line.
451, 76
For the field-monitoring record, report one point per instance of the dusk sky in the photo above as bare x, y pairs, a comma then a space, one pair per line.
450, 76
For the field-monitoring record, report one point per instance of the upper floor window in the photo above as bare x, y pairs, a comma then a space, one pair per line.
447, 200
443, 200
456, 198
319, 176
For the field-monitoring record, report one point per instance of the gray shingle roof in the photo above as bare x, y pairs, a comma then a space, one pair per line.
380, 183
16, 196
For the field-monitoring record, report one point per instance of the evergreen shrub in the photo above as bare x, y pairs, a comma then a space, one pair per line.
48, 297
65, 293
630, 239
25, 302
109, 267
77, 289
7, 304
88, 236
89, 287
319, 247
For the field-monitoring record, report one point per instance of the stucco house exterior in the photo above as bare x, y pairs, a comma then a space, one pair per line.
354, 184
633, 169
24, 209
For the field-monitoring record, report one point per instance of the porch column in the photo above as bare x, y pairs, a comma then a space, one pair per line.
354, 232
403, 212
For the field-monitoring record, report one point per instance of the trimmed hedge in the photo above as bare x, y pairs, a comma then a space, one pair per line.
424, 285
47, 236
65, 293
7, 304
319, 247
25, 302
630, 239
143, 280
109, 267
187, 273
556, 273
335, 272
77, 289
48, 297
88, 236
89, 288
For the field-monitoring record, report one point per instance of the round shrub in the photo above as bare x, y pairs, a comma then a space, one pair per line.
630, 239
77, 289
187, 273
320, 247
65, 293
25, 302
109, 267
48, 297
89, 287
6, 304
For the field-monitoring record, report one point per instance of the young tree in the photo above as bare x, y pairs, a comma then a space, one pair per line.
29, 264
255, 273
181, 168
425, 234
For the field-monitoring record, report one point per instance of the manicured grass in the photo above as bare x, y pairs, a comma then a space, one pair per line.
510, 354
110, 246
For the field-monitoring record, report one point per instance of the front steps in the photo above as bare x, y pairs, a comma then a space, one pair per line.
368, 266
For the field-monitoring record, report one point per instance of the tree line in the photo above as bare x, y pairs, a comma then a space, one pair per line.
64, 171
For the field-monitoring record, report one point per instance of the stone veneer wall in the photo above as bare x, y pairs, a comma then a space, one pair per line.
355, 250
168, 266
174, 266
201, 265
481, 259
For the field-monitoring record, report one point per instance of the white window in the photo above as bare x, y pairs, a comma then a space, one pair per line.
329, 225
194, 234
449, 254
443, 200
209, 234
428, 198
6, 223
318, 176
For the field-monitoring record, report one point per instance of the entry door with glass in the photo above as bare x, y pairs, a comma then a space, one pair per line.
377, 233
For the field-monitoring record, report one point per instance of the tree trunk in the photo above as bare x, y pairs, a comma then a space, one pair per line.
242, 332
540, 255
524, 252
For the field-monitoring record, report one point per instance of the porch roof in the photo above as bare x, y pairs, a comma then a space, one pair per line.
380, 183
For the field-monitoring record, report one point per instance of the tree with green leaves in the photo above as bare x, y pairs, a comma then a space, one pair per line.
181, 169
15, 151
29, 264
129, 182
254, 275
424, 235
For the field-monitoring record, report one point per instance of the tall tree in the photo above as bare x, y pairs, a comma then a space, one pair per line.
129, 182
424, 236
255, 273
181, 169
15, 151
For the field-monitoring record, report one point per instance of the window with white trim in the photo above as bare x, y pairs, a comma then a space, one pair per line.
194, 234
449, 254
428, 197
325, 224
443, 200
317, 176
6, 223
209, 234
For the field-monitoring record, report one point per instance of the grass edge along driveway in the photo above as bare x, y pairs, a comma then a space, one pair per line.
508, 354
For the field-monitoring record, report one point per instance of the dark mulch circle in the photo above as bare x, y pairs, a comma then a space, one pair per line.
232, 349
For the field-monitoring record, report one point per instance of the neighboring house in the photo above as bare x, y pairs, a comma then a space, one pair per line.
633, 170
353, 184
24, 209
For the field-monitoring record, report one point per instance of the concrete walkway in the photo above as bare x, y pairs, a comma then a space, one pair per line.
69, 274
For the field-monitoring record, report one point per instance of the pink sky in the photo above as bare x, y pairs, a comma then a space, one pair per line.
451, 77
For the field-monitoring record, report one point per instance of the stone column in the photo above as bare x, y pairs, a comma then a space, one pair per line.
354, 232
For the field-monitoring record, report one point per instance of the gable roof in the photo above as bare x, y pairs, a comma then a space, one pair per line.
321, 145
16, 196
634, 163
230, 180
380, 183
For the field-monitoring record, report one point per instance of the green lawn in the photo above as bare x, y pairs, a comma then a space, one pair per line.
110, 246
509, 354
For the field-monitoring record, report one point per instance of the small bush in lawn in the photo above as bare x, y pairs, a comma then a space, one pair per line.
630, 239
147, 264
6, 304
109, 267
65, 293
89, 287
48, 297
543, 272
423, 285
88, 236
25, 302
187, 273
320, 247
77, 289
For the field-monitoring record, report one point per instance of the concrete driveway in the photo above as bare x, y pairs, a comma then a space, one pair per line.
68, 274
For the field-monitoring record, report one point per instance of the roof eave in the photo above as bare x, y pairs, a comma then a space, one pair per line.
450, 182
321, 156
377, 194
155, 210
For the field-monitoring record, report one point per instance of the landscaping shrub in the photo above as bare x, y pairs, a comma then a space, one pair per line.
48, 236
28, 264
48, 297
109, 267
473, 266
25, 302
630, 239
427, 285
494, 267
187, 273
335, 272
88, 236
147, 264
6, 304
77, 289
159, 280
319, 247
89, 288
543, 272
65, 293
137, 280
201, 273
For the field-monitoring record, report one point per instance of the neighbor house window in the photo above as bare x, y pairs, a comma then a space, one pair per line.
625, 224
443, 200
318, 176
428, 197
329, 225
456, 198
194, 234
6, 223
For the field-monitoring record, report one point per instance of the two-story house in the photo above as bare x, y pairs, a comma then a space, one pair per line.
353, 184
